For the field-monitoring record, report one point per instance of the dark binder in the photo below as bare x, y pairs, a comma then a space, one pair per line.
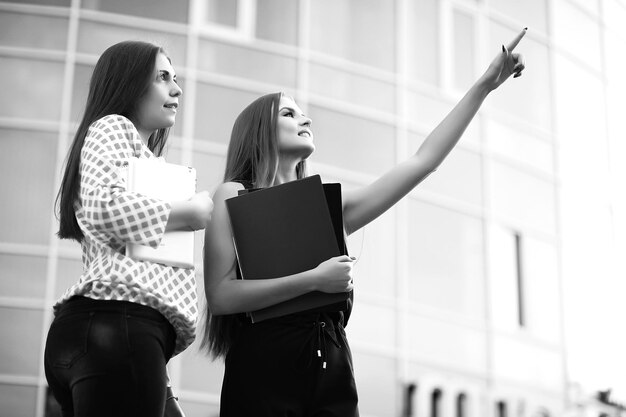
286, 229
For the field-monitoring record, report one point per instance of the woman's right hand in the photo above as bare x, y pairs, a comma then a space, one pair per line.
335, 274
203, 208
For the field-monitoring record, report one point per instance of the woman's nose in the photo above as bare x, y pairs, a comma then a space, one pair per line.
306, 121
176, 91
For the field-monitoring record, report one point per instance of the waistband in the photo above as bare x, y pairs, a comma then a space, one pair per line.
80, 304
319, 329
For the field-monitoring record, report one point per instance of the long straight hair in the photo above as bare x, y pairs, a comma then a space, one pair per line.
119, 81
252, 158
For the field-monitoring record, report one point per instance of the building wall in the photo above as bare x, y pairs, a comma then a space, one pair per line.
458, 288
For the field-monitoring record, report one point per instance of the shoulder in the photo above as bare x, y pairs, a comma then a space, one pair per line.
113, 126
227, 190
113, 122
114, 132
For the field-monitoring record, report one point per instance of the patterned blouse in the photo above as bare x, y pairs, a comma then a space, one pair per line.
109, 217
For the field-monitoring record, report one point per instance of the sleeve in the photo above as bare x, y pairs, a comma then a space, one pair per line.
105, 207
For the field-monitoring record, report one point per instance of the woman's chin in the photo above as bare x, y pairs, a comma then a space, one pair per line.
300, 152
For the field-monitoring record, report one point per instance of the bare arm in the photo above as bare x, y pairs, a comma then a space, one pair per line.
193, 214
363, 205
228, 295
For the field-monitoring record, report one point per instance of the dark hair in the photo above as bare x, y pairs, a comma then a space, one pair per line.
252, 158
119, 80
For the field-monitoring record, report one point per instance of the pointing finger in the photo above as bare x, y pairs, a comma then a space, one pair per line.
515, 41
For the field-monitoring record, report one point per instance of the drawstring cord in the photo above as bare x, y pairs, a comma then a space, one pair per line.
321, 341
317, 342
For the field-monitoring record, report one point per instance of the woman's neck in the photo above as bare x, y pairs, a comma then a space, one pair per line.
145, 136
286, 171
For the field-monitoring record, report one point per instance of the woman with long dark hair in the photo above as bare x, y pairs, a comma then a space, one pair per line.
116, 328
300, 364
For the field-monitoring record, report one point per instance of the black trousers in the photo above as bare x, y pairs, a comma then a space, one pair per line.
107, 358
294, 366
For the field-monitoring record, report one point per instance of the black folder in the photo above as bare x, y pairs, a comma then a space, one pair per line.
286, 229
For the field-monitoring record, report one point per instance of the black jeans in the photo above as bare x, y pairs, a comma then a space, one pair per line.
107, 358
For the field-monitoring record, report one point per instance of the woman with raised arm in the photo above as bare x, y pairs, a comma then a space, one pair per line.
116, 328
300, 364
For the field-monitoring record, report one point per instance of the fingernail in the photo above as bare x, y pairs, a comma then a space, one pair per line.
517, 74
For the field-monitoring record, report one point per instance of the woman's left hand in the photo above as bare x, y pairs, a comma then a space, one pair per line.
505, 64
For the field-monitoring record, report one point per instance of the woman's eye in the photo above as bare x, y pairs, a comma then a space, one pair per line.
288, 114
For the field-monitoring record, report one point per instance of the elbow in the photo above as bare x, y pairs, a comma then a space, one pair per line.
217, 304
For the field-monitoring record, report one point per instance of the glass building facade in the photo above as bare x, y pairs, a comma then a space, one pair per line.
459, 288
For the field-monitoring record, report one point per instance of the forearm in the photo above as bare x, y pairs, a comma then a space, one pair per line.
238, 296
182, 215
446, 135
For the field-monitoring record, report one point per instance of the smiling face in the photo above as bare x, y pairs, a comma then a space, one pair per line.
157, 108
293, 130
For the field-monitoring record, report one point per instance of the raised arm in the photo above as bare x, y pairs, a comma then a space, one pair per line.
228, 295
363, 205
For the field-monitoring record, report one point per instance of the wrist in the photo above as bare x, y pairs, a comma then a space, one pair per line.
483, 87
310, 280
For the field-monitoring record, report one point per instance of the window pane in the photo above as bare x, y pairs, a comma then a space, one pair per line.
20, 354
277, 20
523, 197
334, 83
583, 168
95, 37
525, 97
22, 276
578, 33
542, 290
210, 170
459, 177
352, 143
18, 400
41, 100
503, 285
423, 41
66, 3
68, 272
236, 61
223, 12
464, 50
80, 90
198, 372
427, 110
27, 156
216, 109
376, 379
44, 32
374, 247
614, 16
435, 340
591, 6
367, 317
514, 144
530, 13
173, 11
532, 364
446, 263
358, 30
